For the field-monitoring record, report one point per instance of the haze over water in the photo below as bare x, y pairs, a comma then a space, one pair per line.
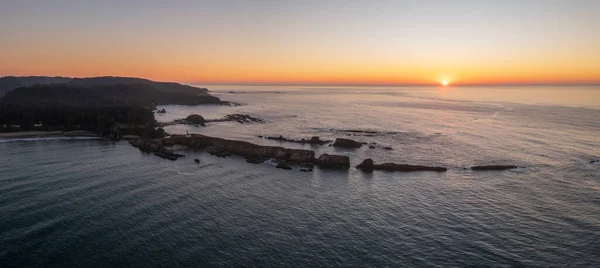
93, 203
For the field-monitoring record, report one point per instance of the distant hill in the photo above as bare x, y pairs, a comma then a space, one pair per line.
9, 83
160, 86
71, 94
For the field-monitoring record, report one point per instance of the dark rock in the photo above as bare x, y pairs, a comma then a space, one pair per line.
333, 161
162, 111
197, 161
387, 148
218, 151
254, 160
368, 166
301, 156
313, 140
195, 119
224, 147
316, 140
306, 169
156, 147
594, 161
230, 103
346, 143
283, 166
493, 167
240, 118
371, 147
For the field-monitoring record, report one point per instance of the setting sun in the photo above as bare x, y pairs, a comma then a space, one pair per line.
445, 83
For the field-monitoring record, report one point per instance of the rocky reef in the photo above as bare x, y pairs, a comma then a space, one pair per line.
252, 152
346, 143
315, 140
240, 118
368, 165
156, 147
493, 167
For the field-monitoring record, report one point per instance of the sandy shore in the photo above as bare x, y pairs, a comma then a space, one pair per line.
46, 134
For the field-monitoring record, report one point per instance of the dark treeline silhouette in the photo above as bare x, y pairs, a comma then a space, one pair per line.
9, 83
107, 109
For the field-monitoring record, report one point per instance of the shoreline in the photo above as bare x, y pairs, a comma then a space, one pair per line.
46, 134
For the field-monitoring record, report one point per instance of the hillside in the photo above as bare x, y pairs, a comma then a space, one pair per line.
9, 83
97, 104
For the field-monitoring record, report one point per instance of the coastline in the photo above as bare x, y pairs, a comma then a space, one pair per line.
46, 134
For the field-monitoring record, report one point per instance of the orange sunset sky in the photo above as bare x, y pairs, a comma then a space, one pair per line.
306, 42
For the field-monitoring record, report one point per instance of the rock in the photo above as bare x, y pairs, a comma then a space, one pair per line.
493, 167
371, 147
301, 156
156, 147
594, 161
195, 119
346, 143
306, 169
368, 166
224, 147
316, 140
333, 161
218, 151
240, 118
313, 140
254, 160
387, 148
283, 166
197, 161
162, 111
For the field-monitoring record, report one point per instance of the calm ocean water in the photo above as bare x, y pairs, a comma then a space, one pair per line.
94, 203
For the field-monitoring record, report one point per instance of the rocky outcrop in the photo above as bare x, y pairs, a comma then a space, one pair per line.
493, 167
283, 166
195, 119
161, 111
594, 161
230, 103
313, 140
368, 165
317, 140
346, 143
240, 118
218, 151
333, 161
254, 160
156, 147
223, 147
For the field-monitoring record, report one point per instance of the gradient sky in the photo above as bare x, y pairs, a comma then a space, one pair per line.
305, 42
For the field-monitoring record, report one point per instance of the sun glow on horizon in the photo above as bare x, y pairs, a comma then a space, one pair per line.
445, 83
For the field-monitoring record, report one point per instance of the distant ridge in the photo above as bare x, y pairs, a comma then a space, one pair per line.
9, 83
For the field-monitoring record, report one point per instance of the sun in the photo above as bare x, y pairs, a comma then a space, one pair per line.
445, 82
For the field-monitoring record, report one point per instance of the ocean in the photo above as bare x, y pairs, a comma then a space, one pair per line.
67, 202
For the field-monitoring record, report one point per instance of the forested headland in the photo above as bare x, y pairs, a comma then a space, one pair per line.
108, 106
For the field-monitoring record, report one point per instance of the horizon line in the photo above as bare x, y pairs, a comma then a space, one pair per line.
583, 84
326, 84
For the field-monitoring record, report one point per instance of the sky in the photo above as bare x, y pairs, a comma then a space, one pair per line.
306, 42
